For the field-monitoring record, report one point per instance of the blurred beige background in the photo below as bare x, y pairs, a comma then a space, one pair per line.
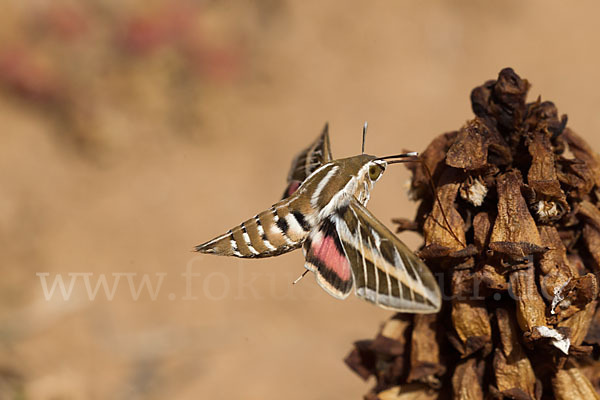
134, 130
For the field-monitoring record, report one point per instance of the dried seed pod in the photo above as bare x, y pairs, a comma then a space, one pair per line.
362, 359
581, 291
491, 279
425, 364
436, 232
550, 202
471, 320
556, 272
579, 324
591, 370
593, 333
582, 151
543, 115
512, 368
591, 230
466, 380
482, 229
576, 176
591, 236
531, 309
515, 233
571, 384
501, 103
469, 315
469, 150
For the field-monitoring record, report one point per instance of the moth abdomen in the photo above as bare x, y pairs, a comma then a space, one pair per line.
270, 233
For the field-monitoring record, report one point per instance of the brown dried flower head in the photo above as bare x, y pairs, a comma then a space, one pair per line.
516, 249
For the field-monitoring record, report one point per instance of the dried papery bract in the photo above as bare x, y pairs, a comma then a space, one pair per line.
467, 380
513, 371
470, 317
425, 363
515, 241
570, 383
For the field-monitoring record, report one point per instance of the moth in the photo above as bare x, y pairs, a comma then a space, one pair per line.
323, 210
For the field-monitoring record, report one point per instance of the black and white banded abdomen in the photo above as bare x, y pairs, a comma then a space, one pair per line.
272, 232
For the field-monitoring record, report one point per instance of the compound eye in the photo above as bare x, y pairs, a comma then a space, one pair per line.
374, 172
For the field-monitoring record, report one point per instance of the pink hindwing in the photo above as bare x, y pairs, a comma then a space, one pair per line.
326, 257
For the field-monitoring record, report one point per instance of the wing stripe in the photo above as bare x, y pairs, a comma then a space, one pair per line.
382, 267
395, 261
388, 279
392, 256
376, 300
314, 200
362, 248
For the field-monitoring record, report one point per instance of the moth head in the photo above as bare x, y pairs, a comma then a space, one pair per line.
369, 170
374, 167
365, 167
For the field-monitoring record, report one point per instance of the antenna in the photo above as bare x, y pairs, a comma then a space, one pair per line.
364, 135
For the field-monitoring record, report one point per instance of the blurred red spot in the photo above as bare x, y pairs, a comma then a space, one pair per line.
26, 78
216, 63
143, 34
172, 25
164, 26
68, 22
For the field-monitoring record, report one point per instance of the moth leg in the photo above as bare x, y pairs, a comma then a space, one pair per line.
300, 277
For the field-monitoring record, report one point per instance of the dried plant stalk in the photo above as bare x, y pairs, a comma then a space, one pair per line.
518, 243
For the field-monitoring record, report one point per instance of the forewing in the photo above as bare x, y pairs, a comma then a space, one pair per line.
386, 272
305, 163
